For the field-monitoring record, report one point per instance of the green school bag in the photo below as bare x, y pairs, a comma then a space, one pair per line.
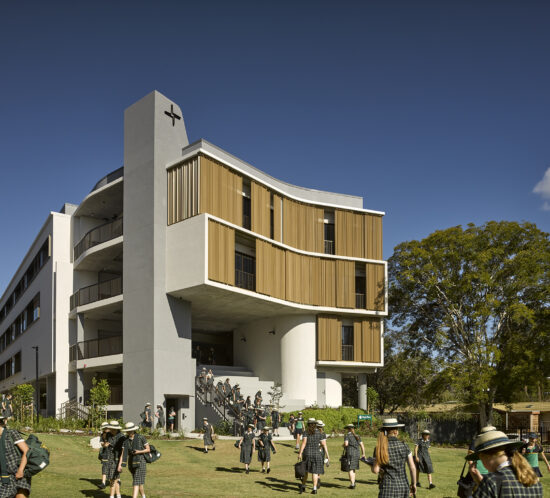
153, 455
38, 456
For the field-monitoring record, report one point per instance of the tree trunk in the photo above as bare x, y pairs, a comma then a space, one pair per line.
485, 414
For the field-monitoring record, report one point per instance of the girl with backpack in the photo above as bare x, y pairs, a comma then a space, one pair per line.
134, 446
423, 459
531, 452
311, 442
113, 446
391, 456
13, 459
352, 445
265, 445
247, 445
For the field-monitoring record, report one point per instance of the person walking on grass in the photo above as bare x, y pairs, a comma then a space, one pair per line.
422, 458
134, 446
510, 475
275, 421
105, 436
247, 445
299, 429
309, 451
13, 459
208, 437
531, 452
114, 451
161, 422
391, 456
265, 446
354, 449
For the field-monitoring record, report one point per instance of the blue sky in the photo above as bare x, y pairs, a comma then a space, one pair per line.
435, 112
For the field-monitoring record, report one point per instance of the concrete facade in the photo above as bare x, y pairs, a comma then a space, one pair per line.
127, 297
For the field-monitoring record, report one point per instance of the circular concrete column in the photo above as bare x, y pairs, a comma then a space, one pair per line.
362, 391
298, 373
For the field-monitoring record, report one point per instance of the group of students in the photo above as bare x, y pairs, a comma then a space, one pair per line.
121, 447
147, 418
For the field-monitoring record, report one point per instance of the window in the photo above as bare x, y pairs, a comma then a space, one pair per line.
360, 285
271, 217
245, 271
36, 308
347, 343
329, 232
247, 207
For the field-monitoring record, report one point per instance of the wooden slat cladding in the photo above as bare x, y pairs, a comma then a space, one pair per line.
221, 253
345, 276
270, 269
303, 226
349, 233
329, 338
375, 287
367, 340
261, 209
277, 218
183, 191
373, 236
220, 191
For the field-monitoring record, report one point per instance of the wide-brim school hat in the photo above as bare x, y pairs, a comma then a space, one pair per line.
533, 435
311, 421
147, 404
113, 424
426, 431
390, 423
266, 428
130, 427
103, 426
349, 426
492, 440
320, 423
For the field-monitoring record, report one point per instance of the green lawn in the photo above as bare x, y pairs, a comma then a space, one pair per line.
184, 470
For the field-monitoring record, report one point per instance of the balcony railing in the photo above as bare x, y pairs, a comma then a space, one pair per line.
360, 301
329, 246
245, 280
96, 292
347, 352
94, 348
98, 235
111, 177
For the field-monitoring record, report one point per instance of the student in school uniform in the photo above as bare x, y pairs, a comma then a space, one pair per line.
323, 434
228, 391
265, 446
114, 451
422, 458
309, 450
247, 445
275, 421
299, 429
134, 446
13, 459
531, 452
161, 422
171, 418
261, 418
105, 435
208, 437
291, 425
353, 446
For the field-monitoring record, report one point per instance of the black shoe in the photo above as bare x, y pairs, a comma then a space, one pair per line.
302, 488
314, 492
352, 486
263, 471
268, 470
247, 471
205, 451
431, 486
418, 485
102, 485
214, 448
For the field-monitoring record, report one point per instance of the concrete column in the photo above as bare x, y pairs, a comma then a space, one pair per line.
333, 389
79, 327
362, 383
298, 373
50, 395
80, 386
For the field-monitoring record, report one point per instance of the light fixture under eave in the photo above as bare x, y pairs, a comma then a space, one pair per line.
243, 339
272, 332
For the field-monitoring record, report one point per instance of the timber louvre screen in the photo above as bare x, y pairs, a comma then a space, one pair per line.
329, 338
183, 191
221, 253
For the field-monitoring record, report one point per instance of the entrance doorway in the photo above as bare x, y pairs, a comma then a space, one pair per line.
212, 348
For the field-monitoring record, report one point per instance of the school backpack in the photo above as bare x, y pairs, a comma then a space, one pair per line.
38, 456
153, 455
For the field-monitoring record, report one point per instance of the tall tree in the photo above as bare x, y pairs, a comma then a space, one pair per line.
476, 300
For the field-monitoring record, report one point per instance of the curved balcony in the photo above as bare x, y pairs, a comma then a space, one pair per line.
98, 235
110, 177
106, 198
96, 292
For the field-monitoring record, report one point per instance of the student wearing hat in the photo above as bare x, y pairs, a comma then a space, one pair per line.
114, 451
509, 473
147, 416
265, 446
423, 459
261, 418
275, 421
391, 455
354, 449
321, 429
208, 436
247, 445
309, 451
479, 467
134, 446
13, 459
105, 435
299, 429
531, 452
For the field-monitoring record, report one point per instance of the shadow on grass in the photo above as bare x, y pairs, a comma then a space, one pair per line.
278, 485
98, 493
197, 448
359, 481
235, 470
95, 482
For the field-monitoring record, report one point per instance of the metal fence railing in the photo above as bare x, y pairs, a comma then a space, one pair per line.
98, 235
96, 292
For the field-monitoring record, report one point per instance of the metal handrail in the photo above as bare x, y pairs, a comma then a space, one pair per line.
245, 280
347, 352
94, 348
96, 292
360, 300
98, 235
108, 178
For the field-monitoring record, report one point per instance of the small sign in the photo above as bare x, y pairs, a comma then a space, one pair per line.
363, 418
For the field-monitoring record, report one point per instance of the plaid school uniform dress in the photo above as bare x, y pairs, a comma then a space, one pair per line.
508, 487
424, 460
113, 454
13, 459
312, 456
394, 482
264, 452
207, 436
136, 463
246, 447
353, 450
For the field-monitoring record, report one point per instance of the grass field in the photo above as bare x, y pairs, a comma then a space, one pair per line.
184, 470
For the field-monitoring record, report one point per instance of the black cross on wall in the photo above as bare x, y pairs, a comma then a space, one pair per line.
172, 114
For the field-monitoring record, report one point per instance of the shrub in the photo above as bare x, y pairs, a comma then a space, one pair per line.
335, 419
